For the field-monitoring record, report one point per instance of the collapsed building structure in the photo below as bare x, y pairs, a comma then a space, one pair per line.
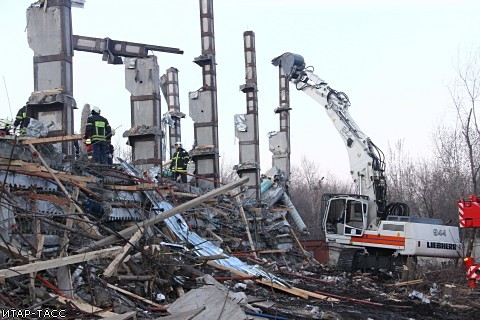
54, 202
124, 241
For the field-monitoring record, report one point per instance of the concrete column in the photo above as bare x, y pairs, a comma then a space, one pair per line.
170, 83
279, 142
247, 125
203, 105
49, 34
142, 80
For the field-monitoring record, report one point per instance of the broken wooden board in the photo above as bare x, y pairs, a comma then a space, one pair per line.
267, 283
137, 187
54, 263
85, 307
133, 295
51, 139
40, 171
293, 290
405, 283
112, 267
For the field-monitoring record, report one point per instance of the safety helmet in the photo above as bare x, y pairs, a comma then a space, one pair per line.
96, 110
178, 143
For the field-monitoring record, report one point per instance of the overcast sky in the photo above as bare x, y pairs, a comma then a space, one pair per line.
394, 59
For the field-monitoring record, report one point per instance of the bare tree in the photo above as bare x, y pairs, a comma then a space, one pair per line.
227, 174
401, 178
465, 92
428, 186
308, 184
123, 151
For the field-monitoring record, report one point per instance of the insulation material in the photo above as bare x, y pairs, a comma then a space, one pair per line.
240, 122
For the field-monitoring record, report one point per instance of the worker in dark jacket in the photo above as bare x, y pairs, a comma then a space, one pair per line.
22, 120
179, 163
97, 133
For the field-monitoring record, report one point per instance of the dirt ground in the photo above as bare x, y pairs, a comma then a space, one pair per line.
379, 298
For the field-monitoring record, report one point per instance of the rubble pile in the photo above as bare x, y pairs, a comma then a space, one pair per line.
113, 242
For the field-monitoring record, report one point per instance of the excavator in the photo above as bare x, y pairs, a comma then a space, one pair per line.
369, 232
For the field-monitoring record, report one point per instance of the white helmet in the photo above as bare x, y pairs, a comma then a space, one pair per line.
96, 109
178, 143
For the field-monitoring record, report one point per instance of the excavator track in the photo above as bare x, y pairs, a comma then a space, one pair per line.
346, 259
353, 259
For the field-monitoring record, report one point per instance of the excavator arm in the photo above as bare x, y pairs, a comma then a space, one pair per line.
366, 160
369, 233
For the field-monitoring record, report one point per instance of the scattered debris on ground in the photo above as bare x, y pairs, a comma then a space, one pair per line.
114, 242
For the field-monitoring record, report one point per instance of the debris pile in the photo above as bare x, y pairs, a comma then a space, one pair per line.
96, 241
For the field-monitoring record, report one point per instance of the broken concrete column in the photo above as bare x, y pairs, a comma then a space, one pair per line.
142, 80
49, 34
203, 106
247, 124
279, 142
172, 96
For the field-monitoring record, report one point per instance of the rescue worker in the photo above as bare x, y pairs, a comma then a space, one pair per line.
179, 163
22, 120
97, 131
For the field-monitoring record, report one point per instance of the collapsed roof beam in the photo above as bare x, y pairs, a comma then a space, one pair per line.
113, 50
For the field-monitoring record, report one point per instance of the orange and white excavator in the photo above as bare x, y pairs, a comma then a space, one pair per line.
370, 232
469, 217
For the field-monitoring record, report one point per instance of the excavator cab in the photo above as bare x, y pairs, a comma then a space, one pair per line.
345, 215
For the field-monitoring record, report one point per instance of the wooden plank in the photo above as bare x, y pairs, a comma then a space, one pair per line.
304, 252
292, 290
71, 177
51, 139
54, 263
64, 276
47, 197
245, 222
45, 175
133, 295
12, 162
214, 235
318, 296
118, 259
165, 215
272, 251
405, 283
39, 242
137, 187
85, 307
19, 166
